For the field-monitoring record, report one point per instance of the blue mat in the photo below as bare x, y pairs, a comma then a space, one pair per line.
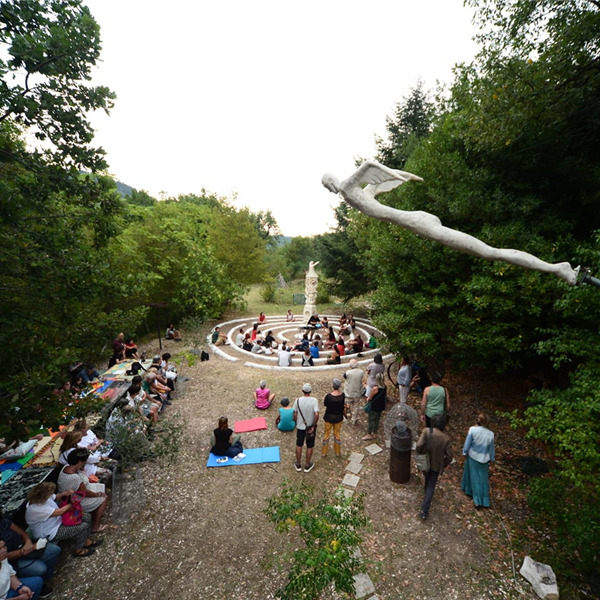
253, 456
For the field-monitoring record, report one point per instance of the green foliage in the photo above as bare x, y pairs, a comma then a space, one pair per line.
268, 292
340, 258
330, 529
48, 50
298, 253
411, 122
568, 421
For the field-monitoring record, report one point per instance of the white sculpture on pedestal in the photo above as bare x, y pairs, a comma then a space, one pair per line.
310, 289
380, 178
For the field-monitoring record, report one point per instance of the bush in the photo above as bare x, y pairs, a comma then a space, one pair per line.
268, 292
329, 528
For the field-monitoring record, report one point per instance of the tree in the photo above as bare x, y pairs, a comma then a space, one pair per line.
340, 258
411, 122
48, 49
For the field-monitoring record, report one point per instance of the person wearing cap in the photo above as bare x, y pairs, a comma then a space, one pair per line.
263, 396
353, 388
334, 415
306, 415
285, 419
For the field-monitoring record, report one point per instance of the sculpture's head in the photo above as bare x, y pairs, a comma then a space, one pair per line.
331, 183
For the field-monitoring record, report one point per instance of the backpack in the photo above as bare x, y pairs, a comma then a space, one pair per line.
204, 356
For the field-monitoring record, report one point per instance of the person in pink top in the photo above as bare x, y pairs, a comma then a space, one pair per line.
263, 396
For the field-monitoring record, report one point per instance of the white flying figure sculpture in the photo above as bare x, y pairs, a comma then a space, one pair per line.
380, 178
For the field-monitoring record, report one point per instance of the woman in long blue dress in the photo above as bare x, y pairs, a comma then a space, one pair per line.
479, 451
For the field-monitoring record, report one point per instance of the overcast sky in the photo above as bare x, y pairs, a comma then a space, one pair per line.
258, 98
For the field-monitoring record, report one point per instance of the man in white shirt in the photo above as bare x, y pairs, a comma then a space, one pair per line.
239, 338
353, 389
285, 356
306, 415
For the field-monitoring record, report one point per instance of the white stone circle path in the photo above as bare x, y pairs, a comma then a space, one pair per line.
284, 330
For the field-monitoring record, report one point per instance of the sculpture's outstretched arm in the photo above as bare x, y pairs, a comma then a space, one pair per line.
380, 178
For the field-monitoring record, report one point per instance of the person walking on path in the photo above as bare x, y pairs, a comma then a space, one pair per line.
436, 444
306, 415
479, 451
436, 400
376, 402
404, 379
353, 389
334, 415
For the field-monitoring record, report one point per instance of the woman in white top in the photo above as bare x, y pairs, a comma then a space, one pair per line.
73, 477
44, 519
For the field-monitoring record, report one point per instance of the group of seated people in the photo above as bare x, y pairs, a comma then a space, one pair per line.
69, 509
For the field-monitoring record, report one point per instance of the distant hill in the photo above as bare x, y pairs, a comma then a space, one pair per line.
123, 188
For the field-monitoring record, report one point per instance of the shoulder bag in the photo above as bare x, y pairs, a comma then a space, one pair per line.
422, 460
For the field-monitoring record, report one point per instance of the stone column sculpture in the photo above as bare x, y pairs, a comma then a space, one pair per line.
380, 178
310, 289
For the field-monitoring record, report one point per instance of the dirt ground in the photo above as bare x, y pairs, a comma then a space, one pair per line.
203, 534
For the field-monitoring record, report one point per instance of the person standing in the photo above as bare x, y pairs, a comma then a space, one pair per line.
118, 347
372, 370
404, 379
377, 399
306, 415
436, 444
436, 400
334, 415
479, 450
353, 389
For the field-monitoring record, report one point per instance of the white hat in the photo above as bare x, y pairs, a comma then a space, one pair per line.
307, 388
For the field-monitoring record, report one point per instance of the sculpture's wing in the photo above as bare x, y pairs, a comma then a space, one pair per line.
380, 178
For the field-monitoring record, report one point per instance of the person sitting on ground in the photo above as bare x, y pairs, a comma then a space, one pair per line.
254, 332
290, 316
372, 341
25, 558
267, 349
261, 318
334, 359
218, 338
314, 349
77, 385
352, 322
307, 359
356, 345
172, 333
285, 418
285, 356
302, 344
155, 390
256, 347
239, 338
131, 349
269, 338
167, 370
91, 442
73, 477
223, 442
147, 409
21, 588
331, 339
118, 347
89, 374
70, 442
325, 323
44, 519
247, 345
18, 449
341, 346
263, 396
